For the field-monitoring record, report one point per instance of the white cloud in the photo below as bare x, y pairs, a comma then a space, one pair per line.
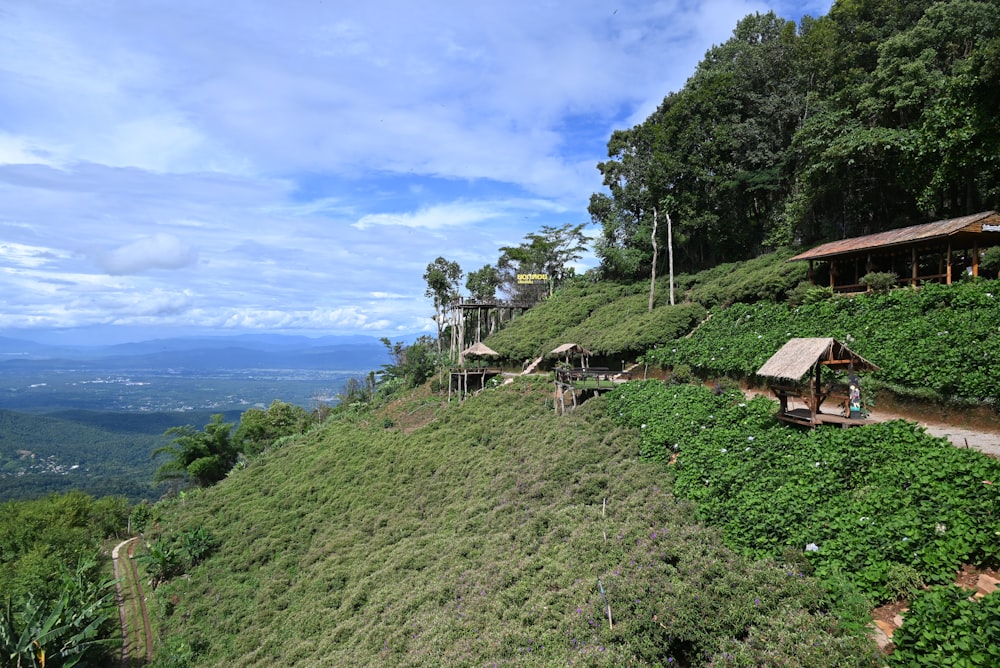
25, 255
160, 251
297, 165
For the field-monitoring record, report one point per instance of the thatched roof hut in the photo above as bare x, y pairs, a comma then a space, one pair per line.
479, 349
800, 356
567, 350
570, 349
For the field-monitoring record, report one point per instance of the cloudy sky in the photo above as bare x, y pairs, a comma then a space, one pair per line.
170, 167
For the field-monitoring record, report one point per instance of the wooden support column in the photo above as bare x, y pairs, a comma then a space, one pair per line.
914, 272
975, 258
947, 270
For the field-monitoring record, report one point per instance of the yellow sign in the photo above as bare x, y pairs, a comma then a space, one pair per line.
531, 279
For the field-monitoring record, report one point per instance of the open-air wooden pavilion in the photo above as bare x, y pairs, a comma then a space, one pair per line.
939, 252
795, 373
585, 379
467, 378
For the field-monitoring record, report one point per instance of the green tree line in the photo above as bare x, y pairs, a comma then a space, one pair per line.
881, 114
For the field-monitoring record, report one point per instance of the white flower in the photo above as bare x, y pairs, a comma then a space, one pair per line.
812, 547
723, 451
817, 464
940, 528
750, 438
643, 426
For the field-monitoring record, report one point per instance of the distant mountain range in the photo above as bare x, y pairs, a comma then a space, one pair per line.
249, 351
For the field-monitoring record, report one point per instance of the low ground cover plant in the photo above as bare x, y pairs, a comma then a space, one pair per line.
495, 533
938, 342
883, 510
867, 501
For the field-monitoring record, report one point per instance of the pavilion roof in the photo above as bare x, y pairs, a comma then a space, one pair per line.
574, 348
797, 358
904, 236
480, 349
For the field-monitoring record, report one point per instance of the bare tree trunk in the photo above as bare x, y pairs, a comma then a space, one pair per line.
670, 254
652, 273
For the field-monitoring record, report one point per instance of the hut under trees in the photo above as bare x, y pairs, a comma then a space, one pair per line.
795, 373
940, 251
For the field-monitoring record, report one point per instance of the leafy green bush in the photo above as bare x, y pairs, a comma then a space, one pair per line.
945, 627
76, 627
886, 504
807, 293
879, 281
989, 265
259, 429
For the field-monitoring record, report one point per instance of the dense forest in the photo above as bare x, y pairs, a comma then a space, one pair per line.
881, 114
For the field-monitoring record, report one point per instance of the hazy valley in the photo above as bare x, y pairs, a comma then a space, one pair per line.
89, 417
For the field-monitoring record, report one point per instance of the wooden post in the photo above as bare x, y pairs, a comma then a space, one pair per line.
916, 267
947, 270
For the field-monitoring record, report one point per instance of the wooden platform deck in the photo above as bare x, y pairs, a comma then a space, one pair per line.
803, 417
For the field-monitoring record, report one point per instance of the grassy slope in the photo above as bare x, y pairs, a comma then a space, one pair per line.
611, 319
477, 538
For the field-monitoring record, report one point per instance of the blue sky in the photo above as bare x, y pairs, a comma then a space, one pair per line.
177, 167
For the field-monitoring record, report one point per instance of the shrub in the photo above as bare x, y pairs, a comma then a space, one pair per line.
989, 264
879, 281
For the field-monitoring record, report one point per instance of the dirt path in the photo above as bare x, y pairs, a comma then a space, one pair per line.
131, 604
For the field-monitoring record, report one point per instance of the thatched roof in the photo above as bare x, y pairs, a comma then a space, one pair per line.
480, 349
574, 348
797, 357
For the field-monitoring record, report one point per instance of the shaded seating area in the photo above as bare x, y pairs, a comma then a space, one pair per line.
575, 379
474, 372
941, 251
795, 376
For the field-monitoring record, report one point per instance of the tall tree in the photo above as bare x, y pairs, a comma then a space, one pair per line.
442, 278
204, 457
551, 251
482, 284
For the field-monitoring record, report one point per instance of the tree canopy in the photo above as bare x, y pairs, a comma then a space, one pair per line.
883, 113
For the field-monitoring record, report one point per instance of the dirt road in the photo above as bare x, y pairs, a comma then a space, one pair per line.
137, 640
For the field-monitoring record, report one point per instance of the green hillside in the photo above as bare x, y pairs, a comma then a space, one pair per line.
614, 319
425, 533
483, 535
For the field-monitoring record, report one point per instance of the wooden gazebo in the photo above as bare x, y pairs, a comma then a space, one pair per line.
480, 374
794, 372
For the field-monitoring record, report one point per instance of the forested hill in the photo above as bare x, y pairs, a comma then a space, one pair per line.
881, 114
